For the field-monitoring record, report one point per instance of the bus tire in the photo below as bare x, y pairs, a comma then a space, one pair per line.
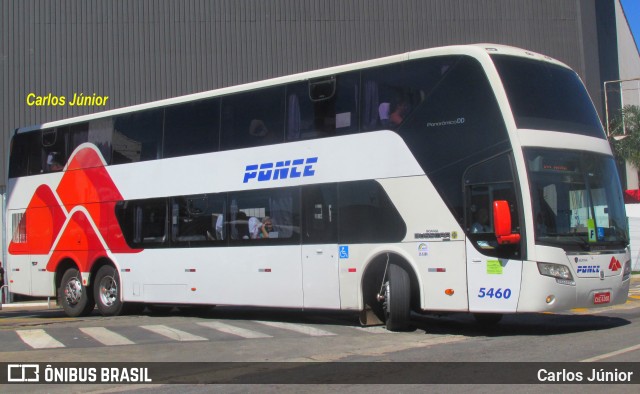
106, 291
397, 299
75, 298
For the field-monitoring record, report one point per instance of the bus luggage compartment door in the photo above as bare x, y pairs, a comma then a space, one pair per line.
321, 285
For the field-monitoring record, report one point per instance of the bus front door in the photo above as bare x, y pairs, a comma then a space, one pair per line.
493, 245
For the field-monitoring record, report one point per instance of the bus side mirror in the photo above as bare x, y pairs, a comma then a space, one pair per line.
502, 223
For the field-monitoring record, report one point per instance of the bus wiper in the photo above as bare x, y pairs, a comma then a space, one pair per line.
580, 241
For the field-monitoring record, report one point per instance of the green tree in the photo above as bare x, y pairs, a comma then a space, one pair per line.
626, 146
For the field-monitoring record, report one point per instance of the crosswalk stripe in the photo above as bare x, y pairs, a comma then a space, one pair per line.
307, 330
38, 339
374, 329
172, 333
233, 330
105, 336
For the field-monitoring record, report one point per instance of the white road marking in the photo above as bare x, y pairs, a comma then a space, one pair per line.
307, 330
374, 329
172, 333
38, 339
612, 354
106, 337
233, 330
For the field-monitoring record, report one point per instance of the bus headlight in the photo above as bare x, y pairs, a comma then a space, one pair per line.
627, 271
557, 271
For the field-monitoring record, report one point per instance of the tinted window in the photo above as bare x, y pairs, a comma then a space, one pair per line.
253, 118
54, 149
547, 97
323, 107
101, 134
137, 137
265, 216
320, 214
485, 183
76, 135
198, 220
390, 93
366, 214
143, 222
457, 124
25, 154
191, 128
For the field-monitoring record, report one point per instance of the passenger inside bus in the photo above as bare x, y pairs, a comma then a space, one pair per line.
481, 224
258, 229
399, 109
266, 231
55, 162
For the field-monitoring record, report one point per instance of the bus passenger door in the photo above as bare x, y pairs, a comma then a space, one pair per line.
321, 282
494, 247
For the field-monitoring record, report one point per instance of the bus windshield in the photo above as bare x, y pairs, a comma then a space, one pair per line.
577, 200
544, 96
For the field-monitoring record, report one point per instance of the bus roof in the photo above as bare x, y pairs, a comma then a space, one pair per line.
475, 50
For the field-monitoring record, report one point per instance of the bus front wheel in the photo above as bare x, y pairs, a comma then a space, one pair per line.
106, 290
75, 298
397, 299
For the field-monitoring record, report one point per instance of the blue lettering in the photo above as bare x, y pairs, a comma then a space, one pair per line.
250, 172
588, 269
265, 175
284, 169
308, 169
294, 170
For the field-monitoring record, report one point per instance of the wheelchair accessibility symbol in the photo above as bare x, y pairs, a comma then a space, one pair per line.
343, 252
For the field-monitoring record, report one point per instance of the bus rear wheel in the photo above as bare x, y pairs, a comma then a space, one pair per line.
397, 299
75, 298
106, 291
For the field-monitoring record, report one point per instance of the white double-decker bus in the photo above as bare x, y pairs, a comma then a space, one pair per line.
458, 179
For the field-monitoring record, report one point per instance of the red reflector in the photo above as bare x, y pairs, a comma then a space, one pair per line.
193, 289
264, 270
126, 270
190, 270
352, 270
441, 270
16, 269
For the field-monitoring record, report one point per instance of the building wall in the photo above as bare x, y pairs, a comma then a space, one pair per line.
629, 60
144, 50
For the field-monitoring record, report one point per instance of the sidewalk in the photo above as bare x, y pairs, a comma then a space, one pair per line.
30, 305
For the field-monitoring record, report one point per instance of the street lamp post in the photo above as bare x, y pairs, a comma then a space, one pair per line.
606, 104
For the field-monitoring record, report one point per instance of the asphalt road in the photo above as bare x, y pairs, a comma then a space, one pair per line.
239, 335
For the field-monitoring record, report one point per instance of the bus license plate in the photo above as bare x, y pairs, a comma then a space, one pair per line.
602, 298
